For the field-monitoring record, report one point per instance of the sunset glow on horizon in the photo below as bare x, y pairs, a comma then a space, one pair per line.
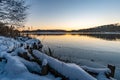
72, 14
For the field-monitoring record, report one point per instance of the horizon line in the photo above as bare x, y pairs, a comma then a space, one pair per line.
67, 29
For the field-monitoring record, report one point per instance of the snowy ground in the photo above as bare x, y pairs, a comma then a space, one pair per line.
13, 67
17, 63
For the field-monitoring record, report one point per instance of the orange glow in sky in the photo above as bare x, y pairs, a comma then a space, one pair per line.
71, 14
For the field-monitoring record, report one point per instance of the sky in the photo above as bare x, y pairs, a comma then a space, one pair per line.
72, 14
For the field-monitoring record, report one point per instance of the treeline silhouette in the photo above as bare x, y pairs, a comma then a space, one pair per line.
104, 28
55, 30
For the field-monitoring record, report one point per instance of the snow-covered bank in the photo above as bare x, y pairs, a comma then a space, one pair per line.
18, 62
14, 67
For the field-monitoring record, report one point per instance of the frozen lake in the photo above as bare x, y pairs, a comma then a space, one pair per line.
100, 48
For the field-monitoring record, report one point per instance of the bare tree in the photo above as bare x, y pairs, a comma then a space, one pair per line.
13, 12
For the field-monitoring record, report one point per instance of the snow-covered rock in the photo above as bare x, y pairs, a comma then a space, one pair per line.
34, 44
15, 67
31, 66
100, 71
22, 53
8, 44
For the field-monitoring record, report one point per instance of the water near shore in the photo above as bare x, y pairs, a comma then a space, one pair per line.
100, 48
103, 49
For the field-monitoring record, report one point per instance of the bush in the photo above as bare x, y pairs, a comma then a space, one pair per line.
8, 31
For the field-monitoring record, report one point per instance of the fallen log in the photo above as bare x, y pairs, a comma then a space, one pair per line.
70, 71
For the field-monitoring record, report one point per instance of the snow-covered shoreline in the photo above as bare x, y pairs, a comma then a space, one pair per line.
17, 63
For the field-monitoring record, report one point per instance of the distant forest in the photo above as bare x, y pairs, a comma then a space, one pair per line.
44, 30
103, 28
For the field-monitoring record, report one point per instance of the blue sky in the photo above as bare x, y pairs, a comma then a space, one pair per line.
72, 14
